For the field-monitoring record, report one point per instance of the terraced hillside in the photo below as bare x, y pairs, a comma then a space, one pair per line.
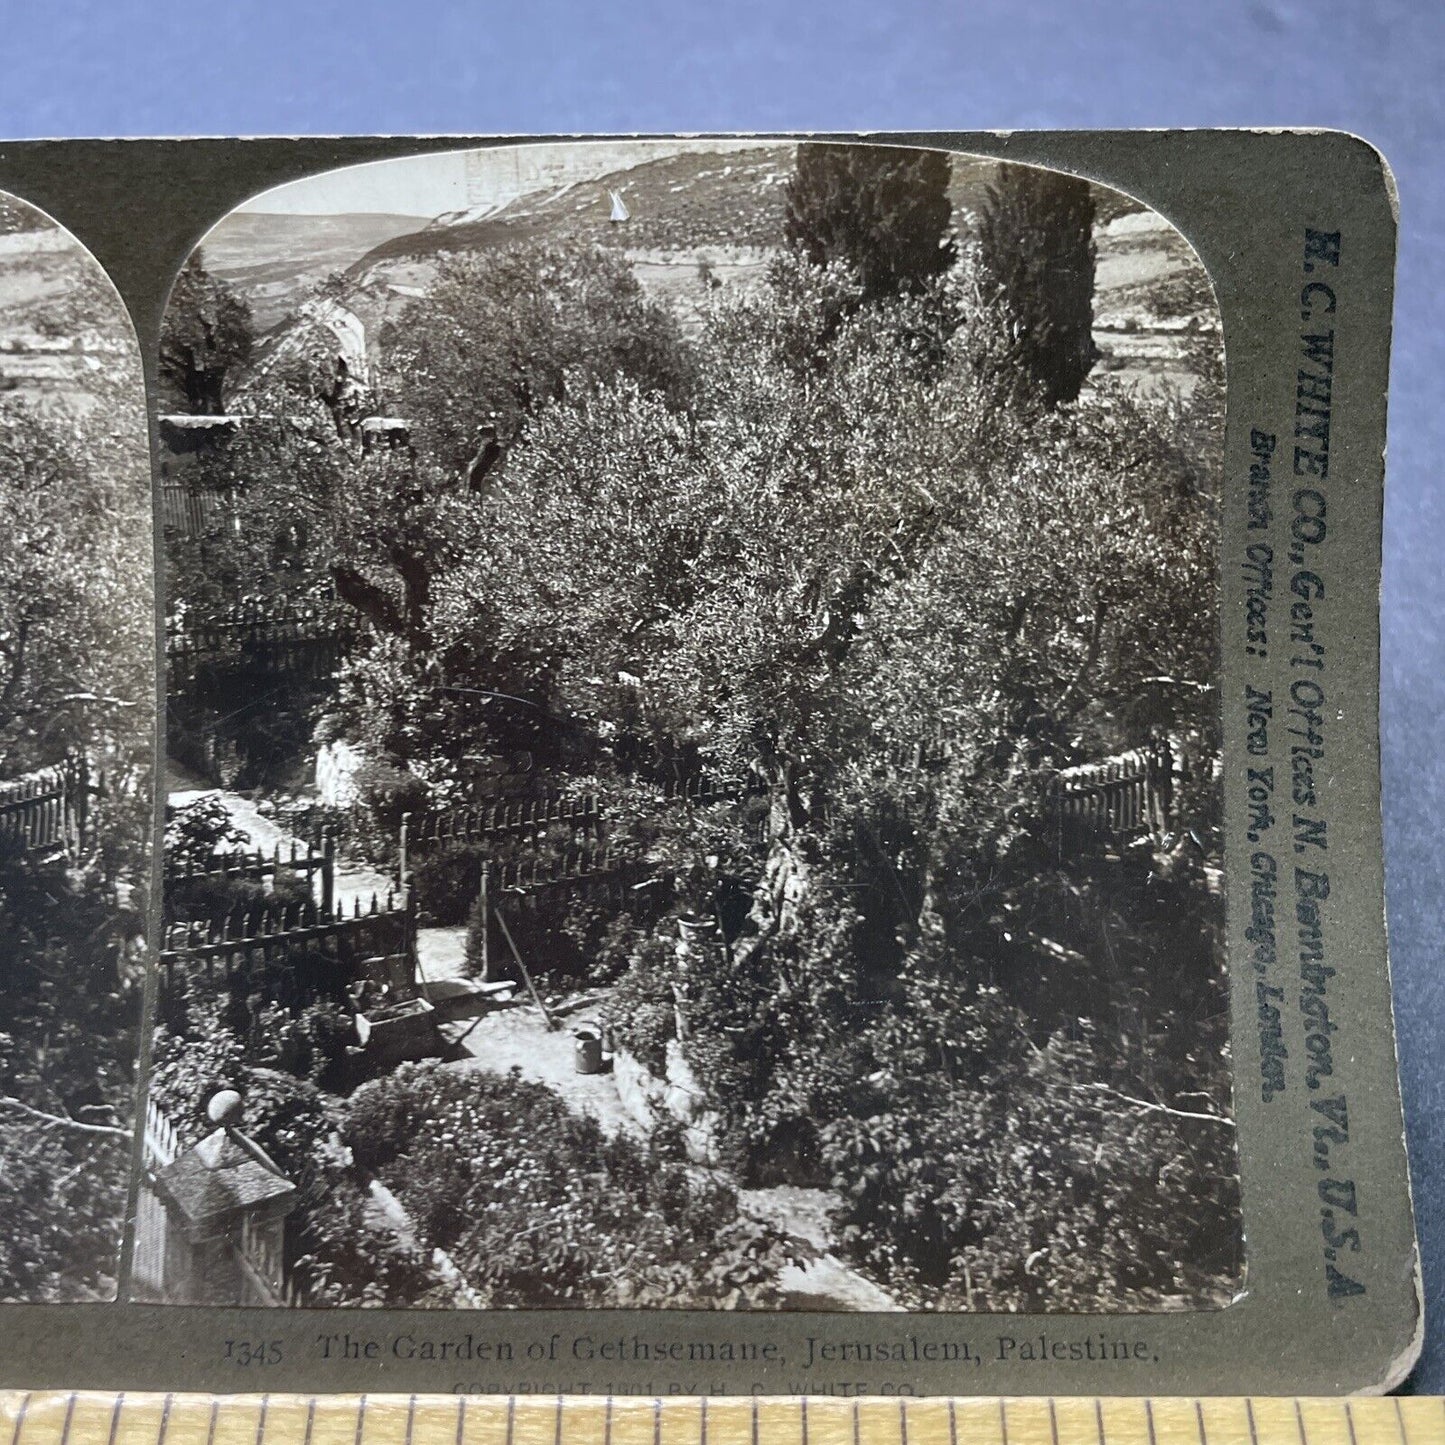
696, 219
276, 259
61, 328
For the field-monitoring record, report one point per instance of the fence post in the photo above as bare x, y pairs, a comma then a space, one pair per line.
401, 869
82, 800
486, 920
328, 873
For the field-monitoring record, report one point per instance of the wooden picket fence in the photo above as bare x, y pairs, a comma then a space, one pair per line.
257, 866
583, 870
190, 511
527, 819
275, 937
504, 818
45, 811
280, 639
1128, 795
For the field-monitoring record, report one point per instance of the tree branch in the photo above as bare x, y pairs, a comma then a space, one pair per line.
1157, 1108
51, 1121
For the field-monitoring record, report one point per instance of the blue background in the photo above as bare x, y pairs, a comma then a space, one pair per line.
136, 67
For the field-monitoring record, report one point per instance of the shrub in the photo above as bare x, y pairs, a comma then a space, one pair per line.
384, 791
446, 881
981, 1169
538, 1207
641, 1011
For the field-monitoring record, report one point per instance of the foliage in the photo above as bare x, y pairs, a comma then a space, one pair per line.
76, 681
641, 1010
536, 1206
70, 991
334, 1250
75, 597
198, 829
445, 880
1036, 253
502, 334
205, 337
882, 211
983, 1169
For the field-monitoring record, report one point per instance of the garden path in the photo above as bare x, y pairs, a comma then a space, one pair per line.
354, 881
825, 1282
519, 1038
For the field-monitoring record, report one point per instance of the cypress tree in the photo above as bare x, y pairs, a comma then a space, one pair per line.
884, 211
1036, 261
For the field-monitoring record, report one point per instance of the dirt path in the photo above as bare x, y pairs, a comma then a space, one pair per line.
355, 882
518, 1038
825, 1282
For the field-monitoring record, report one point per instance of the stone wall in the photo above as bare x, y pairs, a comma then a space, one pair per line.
678, 1096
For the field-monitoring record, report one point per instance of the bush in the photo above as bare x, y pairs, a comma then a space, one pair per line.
981, 1169
538, 1207
641, 1011
446, 881
385, 790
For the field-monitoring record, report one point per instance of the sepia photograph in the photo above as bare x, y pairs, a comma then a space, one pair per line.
693, 744
77, 690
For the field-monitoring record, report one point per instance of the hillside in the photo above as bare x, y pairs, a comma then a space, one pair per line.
695, 218
276, 259
63, 331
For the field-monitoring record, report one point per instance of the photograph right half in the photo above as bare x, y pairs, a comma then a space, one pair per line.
695, 741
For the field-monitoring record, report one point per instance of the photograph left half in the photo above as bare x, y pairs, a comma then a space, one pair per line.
77, 686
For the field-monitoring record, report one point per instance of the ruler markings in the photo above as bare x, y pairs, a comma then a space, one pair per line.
128, 1418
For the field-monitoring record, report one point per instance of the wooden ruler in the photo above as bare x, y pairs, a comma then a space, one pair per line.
55, 1418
